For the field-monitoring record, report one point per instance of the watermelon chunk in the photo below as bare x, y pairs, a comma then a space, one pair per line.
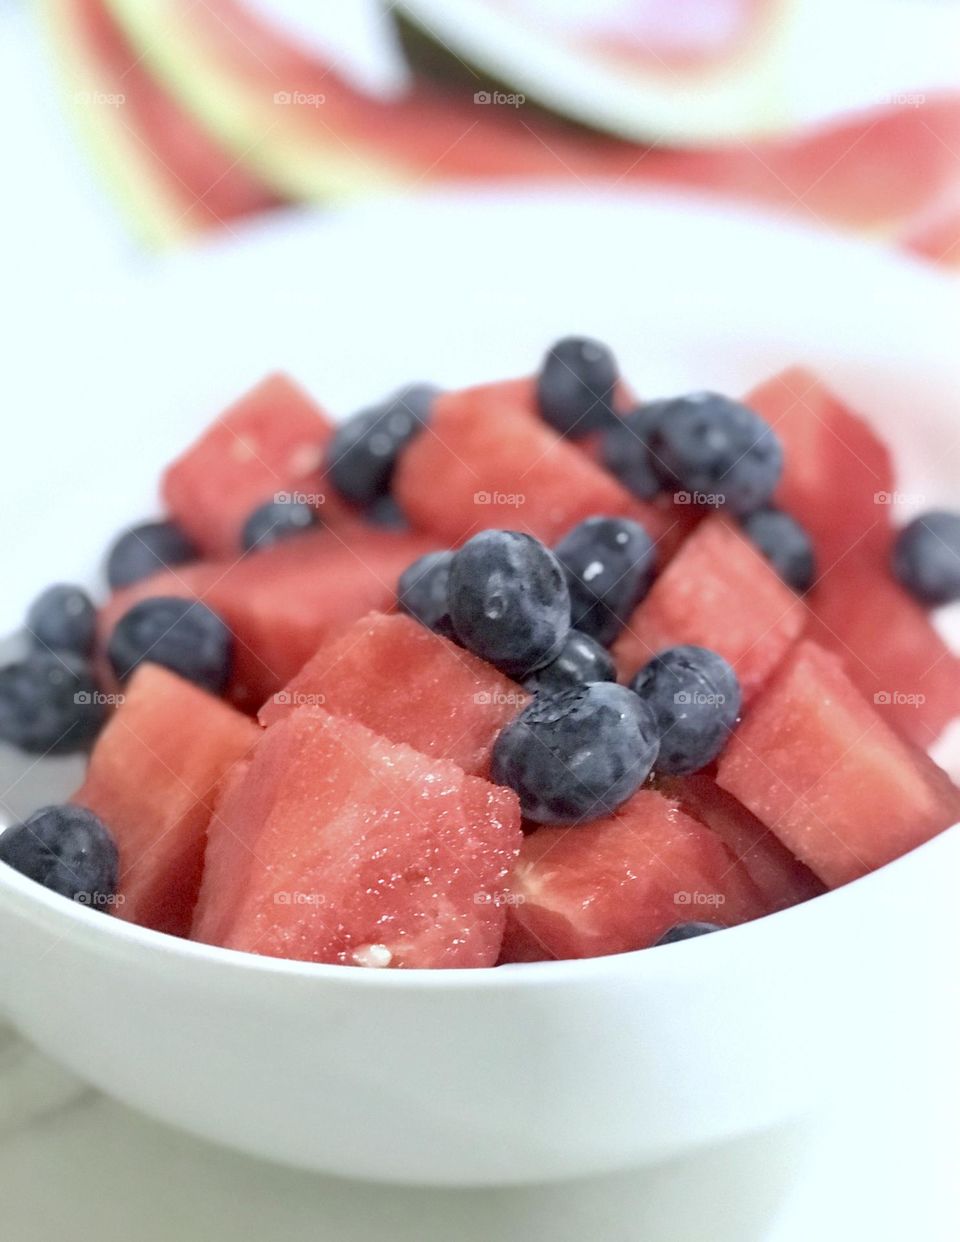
282, 602
342, 847
619, 883
270, 441
409, 685
900, 662
152, 779
486, 463
835, 465
780, 879
816, 763
717, 592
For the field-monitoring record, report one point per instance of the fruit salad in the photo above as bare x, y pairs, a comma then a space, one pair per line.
533, 670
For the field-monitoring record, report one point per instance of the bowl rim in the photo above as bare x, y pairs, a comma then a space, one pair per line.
26, 899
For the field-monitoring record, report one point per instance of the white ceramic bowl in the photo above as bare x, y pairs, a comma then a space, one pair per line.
531, 1072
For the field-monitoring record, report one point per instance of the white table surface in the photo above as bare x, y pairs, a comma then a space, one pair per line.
76, 1166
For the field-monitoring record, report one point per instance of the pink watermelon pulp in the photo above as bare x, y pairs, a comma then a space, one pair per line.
268, 443
153, 779
780, 879
485, 462
282, 602
619, 883
717, 592
341, 847
409, 685
818, 766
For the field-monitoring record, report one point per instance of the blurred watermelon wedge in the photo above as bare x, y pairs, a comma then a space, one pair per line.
172, 178
682, 72
290, 116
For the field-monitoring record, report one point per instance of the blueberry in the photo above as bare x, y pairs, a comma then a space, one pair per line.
687, 931
181, 634
364, 451
625, 450
785, 544
145, 550
695, 698
926, 558
63, 618
581, 659
275, 521
609, 566
49, 703
575, 387
422, 592
509, 601
387, 513
718, 450
66, 849
577, 754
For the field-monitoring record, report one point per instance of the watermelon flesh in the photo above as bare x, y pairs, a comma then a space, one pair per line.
486, 463
269, 442
780, 879
152, 779
341, 847
816, 763
282, 602
717, 592
409, 685
890, 647
834, 466
174, 176
620, 882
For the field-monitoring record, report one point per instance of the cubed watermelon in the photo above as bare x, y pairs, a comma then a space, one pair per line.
817, 764
620, 882
717, 592
270, 441
152, 779
486, 463
342, 847
780, 879
835, 465
892, 651
282, 602
409, 685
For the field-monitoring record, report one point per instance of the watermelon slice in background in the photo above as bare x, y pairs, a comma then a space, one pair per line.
817, 764
342, 847
678, 71
154, 782
409, 685
172, 177
875, 170
619, 883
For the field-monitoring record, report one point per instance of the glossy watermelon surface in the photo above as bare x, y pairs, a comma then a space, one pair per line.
717, 592
153, 779
268, 443
780, 879
409, 685
282, 602
620, 882
342, 847
487, 462
818, 765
